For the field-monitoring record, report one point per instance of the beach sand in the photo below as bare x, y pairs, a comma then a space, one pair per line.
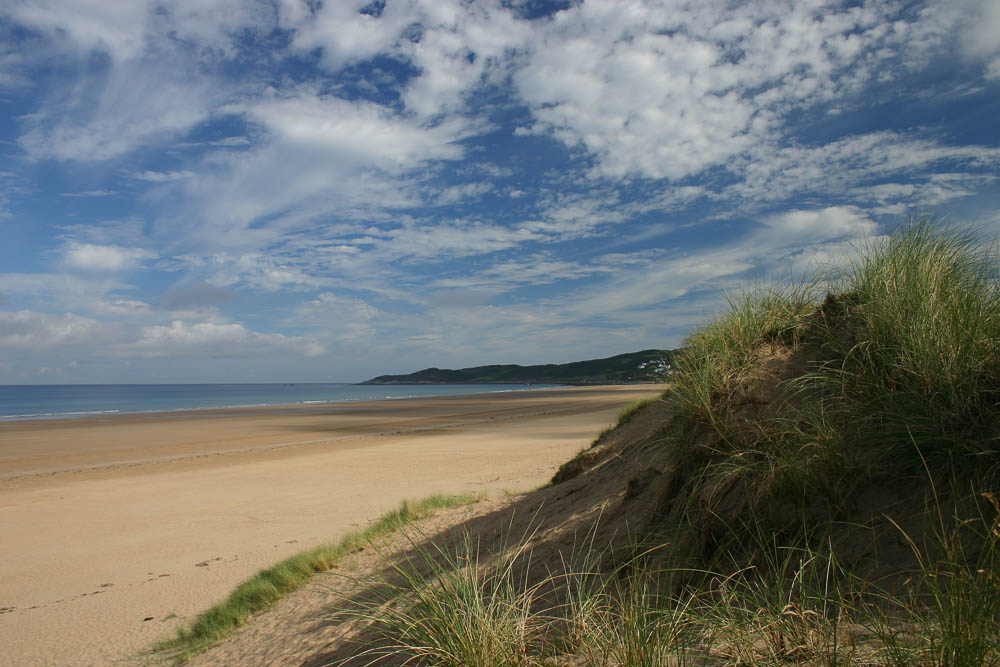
117, 530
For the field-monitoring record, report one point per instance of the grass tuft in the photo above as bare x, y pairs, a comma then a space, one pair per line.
458, 607
719, 354
912, 345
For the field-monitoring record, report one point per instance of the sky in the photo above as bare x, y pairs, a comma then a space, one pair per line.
306, 190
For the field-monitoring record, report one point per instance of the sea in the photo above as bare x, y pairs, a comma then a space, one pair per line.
67, 401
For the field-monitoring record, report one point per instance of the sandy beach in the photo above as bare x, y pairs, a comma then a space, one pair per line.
117, 530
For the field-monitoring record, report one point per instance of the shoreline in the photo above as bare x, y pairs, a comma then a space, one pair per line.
84, 414
124, 528
187, 442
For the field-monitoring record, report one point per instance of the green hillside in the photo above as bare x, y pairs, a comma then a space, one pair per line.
643, 366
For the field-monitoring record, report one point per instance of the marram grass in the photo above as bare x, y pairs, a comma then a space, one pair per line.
626, 415
798, 606
904, 354
902, 373
458, 607
271, 584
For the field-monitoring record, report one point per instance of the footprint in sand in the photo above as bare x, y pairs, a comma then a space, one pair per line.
205, 563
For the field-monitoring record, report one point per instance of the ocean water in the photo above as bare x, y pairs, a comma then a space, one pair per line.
64, 401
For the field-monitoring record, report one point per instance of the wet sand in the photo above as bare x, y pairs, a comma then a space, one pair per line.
117, 530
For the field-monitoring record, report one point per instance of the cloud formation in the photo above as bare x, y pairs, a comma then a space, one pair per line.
93, 257
353, 187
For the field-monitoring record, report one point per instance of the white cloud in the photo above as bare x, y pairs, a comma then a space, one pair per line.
640, 299
136, 104
123, 307
318, 156
850, 164
454, 45
993, 69
12, 66
467, 191
93, 257
980, 39
211, 339
339, 319
358, 132
32, 330
798, 227
129, 232
155, 82
637, 103
462, 45
668, 89
227, 142
261, 271
343, 33
504, 276
799, 244
87, 25
127, 30
59, 290
566, 217
162, 176
448, 241
541, 269
90, 193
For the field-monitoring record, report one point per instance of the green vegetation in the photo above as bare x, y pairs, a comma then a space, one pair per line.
269, 585
632, 409
443, 609
826, 494
807, 402
644, 366
803, 607
625, 416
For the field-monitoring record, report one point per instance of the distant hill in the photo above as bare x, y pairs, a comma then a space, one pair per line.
644, 366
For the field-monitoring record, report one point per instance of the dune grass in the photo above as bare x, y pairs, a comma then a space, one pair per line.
797, 606
901, 366
721, 351
625, 416
920, 360
906, 349
271, 584
458, 607
899, 385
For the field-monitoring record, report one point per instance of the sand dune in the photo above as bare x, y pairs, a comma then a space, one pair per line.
117, 530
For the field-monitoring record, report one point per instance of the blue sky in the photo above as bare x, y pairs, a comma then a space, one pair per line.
289, 190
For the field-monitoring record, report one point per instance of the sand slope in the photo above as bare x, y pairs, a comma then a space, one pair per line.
604, 502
